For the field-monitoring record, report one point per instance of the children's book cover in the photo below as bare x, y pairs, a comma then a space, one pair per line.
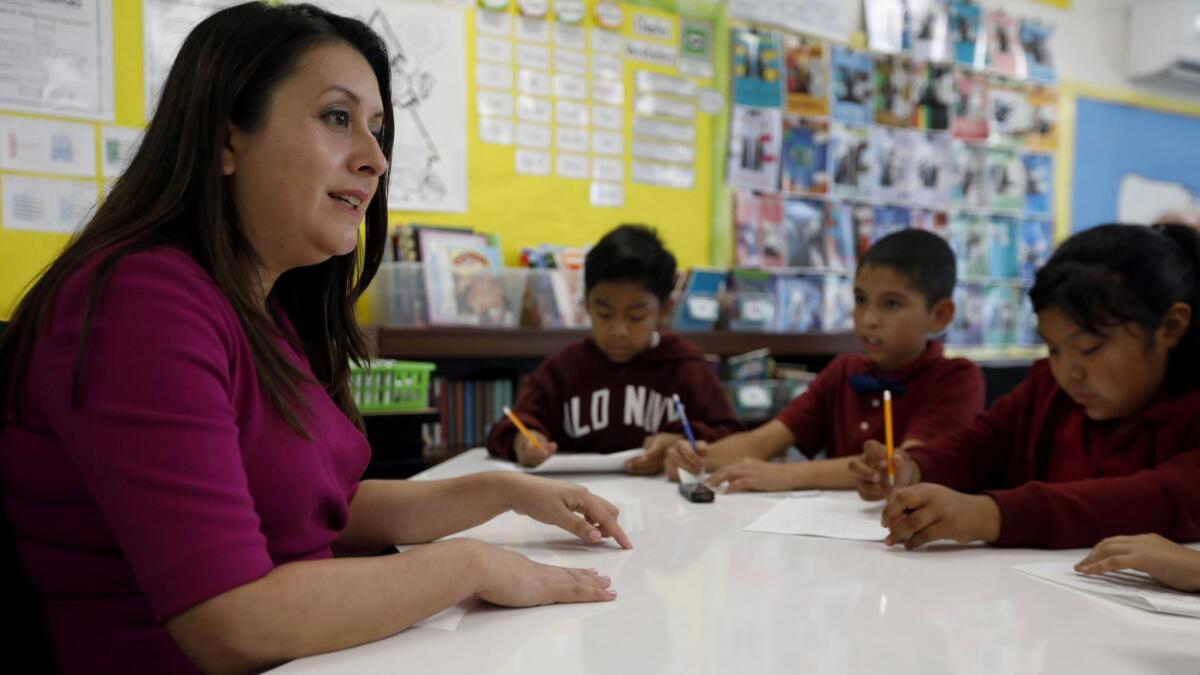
840, 231
887, 220
894, 156
805, 155
850, 159
885, 25
1009, 111
971, 108
1002, 247
931, 168
1000, 305
966, 33
753, 300
804, 230
1043, 137
936, 93
838, 315
806, 66
800, 303
1027, 325
757, 68
894, 97
770, 230
968, 168
747, 248
754, 148
968, 239
1005, 55
1039, 183
859, 219
852, 89
1005, 178
929, 30
456, 266
931, 221
699, 304
1036, 38
967, 328
1034, 246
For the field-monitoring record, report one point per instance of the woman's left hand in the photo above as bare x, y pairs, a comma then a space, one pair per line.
567, 505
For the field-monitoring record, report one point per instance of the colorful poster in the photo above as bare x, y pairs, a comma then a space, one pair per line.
852, 90
850, 159
894, 93
805, 155
806, 64
754, 148
936, 94
757, 68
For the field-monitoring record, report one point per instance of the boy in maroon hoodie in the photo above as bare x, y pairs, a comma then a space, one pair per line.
612, 391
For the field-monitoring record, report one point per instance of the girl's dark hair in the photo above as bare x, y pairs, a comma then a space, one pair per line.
1116, 274
174, 193
631, 253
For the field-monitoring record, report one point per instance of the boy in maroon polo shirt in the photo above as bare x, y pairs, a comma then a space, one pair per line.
902, 294
613, 391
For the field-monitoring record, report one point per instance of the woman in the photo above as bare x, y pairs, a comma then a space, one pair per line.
180, 449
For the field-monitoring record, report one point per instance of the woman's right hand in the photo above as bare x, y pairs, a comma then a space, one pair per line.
512, 580
530, 455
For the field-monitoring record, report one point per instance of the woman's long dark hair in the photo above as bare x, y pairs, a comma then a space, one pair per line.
1112, 275
174, 193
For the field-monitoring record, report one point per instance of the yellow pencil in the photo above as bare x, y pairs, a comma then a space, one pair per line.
529, 437
887, 434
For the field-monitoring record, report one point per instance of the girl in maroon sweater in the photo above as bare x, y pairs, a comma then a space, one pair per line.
613, 391
1102, 439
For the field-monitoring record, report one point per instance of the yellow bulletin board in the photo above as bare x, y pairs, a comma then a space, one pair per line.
527, 210
523, 210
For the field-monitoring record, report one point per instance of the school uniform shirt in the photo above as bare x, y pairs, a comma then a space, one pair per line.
843, 407
584, 402
1062, 480
174, 480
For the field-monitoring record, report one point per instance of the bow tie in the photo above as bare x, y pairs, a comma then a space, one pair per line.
863, 383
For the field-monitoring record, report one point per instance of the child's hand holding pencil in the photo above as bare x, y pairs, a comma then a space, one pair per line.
870, 470
531, 447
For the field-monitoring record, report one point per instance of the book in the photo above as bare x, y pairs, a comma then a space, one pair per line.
1009, 111
757, 68
805, 155
1036, 36
1005, 55
968, 179
887, 220
800, 303
806, 67
746, 213
1005, 178
968, 238
771, 231
966, 33
850, 159
967, 328
754, 148
1002, 247
894, 91
1035, 243
893, 173
753, 307
1039, 183
840, 229
935, 92
928, 28
885, 25
851, 86
698, 307
461, 281
971, 107
838, 300
1000, 305
1043, 134
804, 229
931, 221
931, 174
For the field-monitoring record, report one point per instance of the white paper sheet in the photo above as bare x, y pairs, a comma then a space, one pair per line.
165, 24
47, 146
46, 204
1127, 587
57, 58
841, 515
586, 462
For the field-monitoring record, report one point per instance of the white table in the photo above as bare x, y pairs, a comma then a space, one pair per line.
697, 594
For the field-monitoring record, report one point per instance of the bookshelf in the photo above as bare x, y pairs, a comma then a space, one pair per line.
434, 344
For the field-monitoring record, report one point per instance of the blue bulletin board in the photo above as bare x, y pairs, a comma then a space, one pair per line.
1132, 160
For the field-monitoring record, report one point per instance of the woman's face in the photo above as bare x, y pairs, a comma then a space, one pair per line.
303, 180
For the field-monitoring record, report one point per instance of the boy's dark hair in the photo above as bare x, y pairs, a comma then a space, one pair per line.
1116, 274
631, 253
922, 256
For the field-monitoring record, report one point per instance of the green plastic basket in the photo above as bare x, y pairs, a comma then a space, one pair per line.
388, 386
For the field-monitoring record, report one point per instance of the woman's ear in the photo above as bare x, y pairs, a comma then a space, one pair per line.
228, 152
1174, 324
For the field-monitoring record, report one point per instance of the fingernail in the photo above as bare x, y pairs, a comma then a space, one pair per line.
594, 536
606, 579
611, 593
